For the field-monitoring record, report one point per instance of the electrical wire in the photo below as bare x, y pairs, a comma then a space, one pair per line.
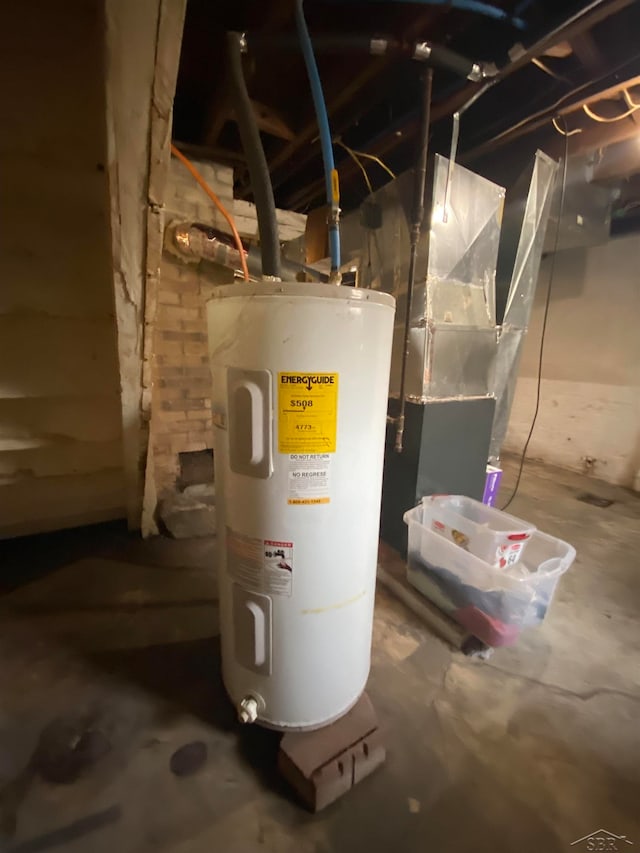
214, 198
356, 155
604, 119
376, 160
356, 160
629, 99
540, 64
563, 132
545, 316
607, 120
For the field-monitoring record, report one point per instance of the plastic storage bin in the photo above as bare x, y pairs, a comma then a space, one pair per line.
492, 604
486, 532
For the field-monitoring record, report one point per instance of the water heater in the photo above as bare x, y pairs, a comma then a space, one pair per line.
300, 377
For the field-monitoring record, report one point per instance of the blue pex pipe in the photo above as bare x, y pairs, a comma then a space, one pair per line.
317, 94
334, 246
476, 6
488, 11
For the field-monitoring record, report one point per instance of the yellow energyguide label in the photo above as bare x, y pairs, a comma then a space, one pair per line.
307, 412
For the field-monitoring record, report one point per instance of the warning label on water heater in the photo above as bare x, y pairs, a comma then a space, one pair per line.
260, 565
308, 478
307, 412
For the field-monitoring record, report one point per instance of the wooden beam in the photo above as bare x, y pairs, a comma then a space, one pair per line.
215, 153
588, 52
218, 112
268, 120
271, 121
601, 136
340, 121
577, 24
606, 94
545, 116
311, 128
280, 165
141, 71
398, 135
316, 236
278, 12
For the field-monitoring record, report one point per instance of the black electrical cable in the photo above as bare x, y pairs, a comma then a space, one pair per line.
256, 160
545, 316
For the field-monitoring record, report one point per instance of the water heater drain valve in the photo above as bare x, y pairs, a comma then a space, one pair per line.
248, 710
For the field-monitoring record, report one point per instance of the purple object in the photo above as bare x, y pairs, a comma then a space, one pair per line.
491, 485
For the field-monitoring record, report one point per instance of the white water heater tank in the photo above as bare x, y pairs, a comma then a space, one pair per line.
300, 377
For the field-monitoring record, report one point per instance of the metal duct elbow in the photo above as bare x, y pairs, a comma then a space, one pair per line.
194, 243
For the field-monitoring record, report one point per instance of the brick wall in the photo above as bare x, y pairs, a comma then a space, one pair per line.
181, 389
181, 399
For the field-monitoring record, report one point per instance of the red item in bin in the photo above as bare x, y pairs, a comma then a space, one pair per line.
493, 632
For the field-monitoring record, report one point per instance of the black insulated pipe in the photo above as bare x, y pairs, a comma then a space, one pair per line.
417, 215
329, 43
423, 51
442, 57
256, 161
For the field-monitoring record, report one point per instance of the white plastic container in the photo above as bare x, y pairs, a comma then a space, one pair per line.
493, 604
300, 376
488, 533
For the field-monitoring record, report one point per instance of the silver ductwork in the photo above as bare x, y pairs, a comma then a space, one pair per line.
520, 255
458, 350
453, 336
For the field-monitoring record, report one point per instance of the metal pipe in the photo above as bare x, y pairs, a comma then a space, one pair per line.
455, 132
201, 243
417, 216
256, 161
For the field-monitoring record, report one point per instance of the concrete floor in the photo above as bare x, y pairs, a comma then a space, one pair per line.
529, 751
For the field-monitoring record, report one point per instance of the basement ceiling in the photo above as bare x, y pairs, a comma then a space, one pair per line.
373, 100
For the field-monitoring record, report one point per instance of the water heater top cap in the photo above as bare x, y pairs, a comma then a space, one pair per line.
303, 290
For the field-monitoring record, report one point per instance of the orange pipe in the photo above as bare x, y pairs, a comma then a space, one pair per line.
214, 198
